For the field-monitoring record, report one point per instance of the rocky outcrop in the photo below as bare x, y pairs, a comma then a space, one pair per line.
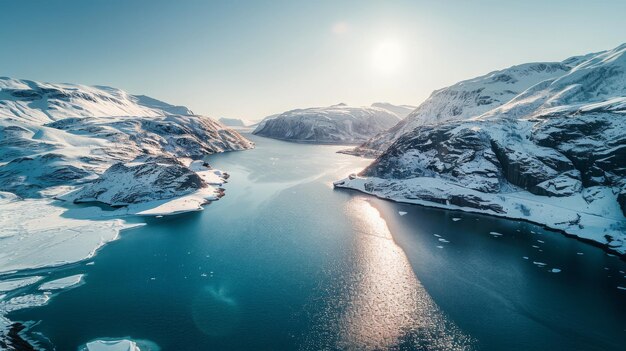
558, 145
54, 136
337, 124
156, 179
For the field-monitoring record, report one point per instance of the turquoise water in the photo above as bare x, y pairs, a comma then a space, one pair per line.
284, 262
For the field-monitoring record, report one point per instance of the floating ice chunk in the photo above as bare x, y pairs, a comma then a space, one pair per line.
90, 263
495, 233
12, 284
24, 301
402, 213
119, 345
439, 247
621, 288
437, 235
541, 264
580, 253
540, 241
62, 283
443, 240
555, 270
525, 257
456, 219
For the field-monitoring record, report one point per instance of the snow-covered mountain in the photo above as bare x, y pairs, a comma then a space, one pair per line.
399, 110
553, 152
234, 122
59, 135
467, 99
339, 124
99, 144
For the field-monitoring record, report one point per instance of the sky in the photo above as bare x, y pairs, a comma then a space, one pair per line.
250, 59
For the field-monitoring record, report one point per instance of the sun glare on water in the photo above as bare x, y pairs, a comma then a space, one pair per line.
388, 56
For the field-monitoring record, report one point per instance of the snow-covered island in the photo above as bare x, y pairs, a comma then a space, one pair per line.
336, 124
543, 142
66, 143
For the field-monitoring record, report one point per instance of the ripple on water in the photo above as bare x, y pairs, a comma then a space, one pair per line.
378, 303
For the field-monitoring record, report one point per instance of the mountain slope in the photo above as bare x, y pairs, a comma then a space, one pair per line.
99, 144
467, 99
65, 135
339, 124
554, 154
399, 110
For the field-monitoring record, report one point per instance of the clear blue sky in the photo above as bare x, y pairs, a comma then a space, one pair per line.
249, 59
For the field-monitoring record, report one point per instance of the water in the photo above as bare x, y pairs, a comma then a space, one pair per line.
284, 262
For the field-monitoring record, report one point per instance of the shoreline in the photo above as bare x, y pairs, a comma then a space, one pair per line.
605, 247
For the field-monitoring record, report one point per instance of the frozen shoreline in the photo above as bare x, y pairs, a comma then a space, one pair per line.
50, 235
594, 223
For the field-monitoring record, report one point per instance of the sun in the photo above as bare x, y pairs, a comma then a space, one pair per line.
388, 56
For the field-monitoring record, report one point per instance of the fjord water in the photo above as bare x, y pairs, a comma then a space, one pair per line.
284, 262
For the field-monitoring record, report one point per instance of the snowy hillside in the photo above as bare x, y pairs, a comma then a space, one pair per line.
338, 124
555, 153
467, 99
399, 110
234, 122
98, 144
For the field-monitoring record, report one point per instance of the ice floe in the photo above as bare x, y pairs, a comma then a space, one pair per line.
62, 283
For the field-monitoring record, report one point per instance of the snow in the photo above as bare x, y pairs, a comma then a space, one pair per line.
467, 99
22, 302
61, 139
337, 124
597, 219
37, 233
121, 344
456, 219
541, 142
402, 213
13, 284
62, 283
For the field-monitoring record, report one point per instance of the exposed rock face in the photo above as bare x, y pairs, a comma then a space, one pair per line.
129, 184
467, 99
563, 137
59, 135
338, 124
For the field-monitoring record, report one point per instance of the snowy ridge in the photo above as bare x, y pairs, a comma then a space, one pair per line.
84, 144
554, 154
402, 111
467, 99
337, 124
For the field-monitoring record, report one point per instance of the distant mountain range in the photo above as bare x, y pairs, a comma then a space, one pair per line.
545, 142
336, 124
235, 122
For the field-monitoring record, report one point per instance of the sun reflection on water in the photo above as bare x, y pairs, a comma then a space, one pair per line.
380, 304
